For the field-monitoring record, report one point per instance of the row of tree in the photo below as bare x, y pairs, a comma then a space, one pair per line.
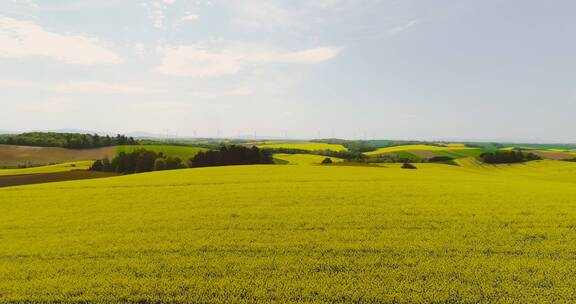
508, 157
142, 160
232, 155
138, 161
66, 140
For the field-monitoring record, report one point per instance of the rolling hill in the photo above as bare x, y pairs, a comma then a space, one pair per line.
309, 146
274, 233
12, 156
183, 152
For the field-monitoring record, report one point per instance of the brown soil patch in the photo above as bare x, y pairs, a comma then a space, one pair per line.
29, 179
422, 153
553, 155
14, 155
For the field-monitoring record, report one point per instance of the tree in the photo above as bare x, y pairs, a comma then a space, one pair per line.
232, 155
408, 166
507, 157
327, 160
97, 166
106, 165
173, 163
159, 164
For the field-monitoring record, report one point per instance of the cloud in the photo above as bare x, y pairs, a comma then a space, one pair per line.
198, 61
157, 12
91, 87
189, 17
193, 61
399, 29
20, 39
267, 14
56, 104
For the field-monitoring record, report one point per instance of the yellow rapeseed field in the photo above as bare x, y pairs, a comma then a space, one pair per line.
310, 146
308, 234
416, 148
64, 167
304, 159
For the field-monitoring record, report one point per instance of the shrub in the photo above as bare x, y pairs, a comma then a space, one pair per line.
327, 160
159, 164
97, 166
408, 166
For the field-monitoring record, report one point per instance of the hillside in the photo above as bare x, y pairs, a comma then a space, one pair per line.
309, 146
304, 159
12, 156
426, 151
183, 152
64, 167
273, 233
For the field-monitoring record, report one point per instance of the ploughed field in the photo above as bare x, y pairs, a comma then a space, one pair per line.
273, 233
12, 156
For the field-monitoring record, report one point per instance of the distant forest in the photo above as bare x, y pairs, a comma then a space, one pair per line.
66, 140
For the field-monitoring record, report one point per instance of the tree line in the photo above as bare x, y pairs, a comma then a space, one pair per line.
142, 160
508, 157
66, 140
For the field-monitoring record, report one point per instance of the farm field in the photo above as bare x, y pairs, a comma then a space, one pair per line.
310, 146
273, 233
183, 152
417, 147
12, 156
64, 167
426, 151
304, 159
43, 178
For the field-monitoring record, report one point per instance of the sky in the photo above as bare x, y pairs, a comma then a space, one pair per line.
356, 69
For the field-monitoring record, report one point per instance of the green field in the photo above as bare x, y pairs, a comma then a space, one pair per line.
82, 165
309, 146
183, 152
280, 233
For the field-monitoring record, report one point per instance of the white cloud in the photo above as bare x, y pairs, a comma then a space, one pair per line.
56, 104
157, 12
399, 29
198, 61
193, 61
140, 50
219, 94
96, 87
91, 87
20, 39
189, 17
267, 14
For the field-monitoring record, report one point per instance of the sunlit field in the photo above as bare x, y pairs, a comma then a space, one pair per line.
64, 167
183, 152
304, 159
458, 148
309, 146
311, 234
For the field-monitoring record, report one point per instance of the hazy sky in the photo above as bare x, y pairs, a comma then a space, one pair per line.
482, 69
